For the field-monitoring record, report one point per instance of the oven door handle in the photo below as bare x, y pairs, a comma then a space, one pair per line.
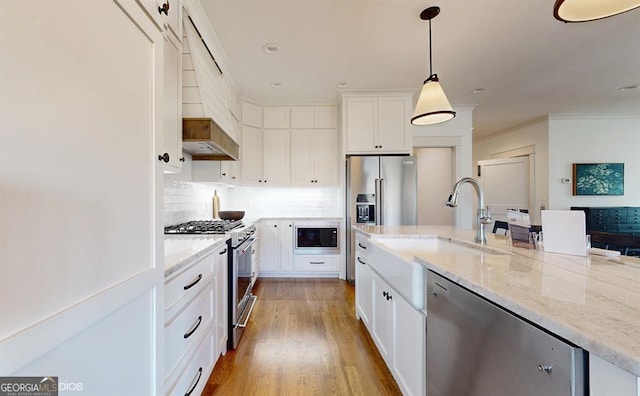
242, 249
252, 303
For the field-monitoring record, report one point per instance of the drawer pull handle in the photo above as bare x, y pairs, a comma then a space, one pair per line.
193, 328
192, 284
316, 262
362, 246
223, 252
197, 379
360, 261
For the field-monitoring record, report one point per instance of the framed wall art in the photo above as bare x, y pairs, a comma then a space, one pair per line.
598, 179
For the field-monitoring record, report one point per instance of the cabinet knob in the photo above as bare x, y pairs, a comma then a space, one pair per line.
275, 225
259, 181
545, 369
224, 174
164, 157
384, 293
289, 225
182, 159
233, 177
164, 9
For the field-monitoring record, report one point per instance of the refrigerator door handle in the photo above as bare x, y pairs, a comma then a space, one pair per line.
380, 201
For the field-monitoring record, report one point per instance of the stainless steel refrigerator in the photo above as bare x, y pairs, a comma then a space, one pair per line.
380, 190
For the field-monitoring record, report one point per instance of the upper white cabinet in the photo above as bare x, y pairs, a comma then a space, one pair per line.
172, 141
308, 117
314, 157
377, 124
276, 157
289, 145
276, 117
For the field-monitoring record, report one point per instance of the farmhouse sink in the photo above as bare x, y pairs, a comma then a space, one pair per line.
430, 245
392, 258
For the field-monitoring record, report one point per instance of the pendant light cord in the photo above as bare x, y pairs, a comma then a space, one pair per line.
430, 55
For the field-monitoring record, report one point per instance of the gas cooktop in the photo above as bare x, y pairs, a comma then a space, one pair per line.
203, 227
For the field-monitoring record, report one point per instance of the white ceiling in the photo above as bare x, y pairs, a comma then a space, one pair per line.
528, 63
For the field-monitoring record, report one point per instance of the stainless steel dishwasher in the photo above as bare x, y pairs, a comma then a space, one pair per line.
476, 348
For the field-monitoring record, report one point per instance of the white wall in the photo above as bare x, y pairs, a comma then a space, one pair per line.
574, 139
455, 133
533, 136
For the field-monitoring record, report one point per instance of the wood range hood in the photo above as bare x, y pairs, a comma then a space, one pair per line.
205, 140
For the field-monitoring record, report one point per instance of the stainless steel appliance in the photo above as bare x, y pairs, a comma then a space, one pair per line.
317, 237
477, 348
242, 275
380, 190
241, 279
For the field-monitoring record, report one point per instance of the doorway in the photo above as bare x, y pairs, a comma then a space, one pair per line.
436, 172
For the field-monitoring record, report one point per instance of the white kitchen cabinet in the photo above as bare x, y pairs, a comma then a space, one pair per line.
230, 171
364, 296
251, 115
314, 157
276, 157
276, 117
251, 154
309, 117
328, 265
95, 290
399, 332
377, 125
605, 379
276, 247
172, 141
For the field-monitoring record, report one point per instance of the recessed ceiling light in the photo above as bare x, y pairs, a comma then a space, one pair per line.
271, 48
276, 84
628, 87
477, 90
342, 84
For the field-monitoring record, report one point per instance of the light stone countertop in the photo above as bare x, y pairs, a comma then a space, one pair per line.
593, 302
182, 250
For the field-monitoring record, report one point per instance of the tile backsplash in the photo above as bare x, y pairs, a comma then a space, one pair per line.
185, 200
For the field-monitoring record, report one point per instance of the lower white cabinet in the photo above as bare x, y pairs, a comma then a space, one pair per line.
364, 303
317, 263
605, 379
195, 322
399, 331
276, 246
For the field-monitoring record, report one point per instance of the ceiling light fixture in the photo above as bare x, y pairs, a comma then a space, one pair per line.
342, 84
628, 87
477, 90
276, 84
591, 10
271, 48
433, 106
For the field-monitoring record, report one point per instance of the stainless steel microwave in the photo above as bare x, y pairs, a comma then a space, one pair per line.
317, 237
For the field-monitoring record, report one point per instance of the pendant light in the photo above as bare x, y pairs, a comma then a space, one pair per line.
433, 106
590, 10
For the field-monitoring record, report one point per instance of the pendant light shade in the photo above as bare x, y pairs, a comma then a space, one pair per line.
590, 10
433, 106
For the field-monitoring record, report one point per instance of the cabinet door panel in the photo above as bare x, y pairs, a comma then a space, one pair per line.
302, 156
325, 117
382, 317
276, 117
392, 123
364, 296
172, 102
302, 117
361, 124
325, 157
286, 245
276, 159
409, 347
269, 249
251, 154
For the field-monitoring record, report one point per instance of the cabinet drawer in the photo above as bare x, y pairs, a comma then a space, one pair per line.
187, 326
188, 283
194, 378
317, 263
628, 228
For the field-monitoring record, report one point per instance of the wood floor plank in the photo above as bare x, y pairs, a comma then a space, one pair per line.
303, 339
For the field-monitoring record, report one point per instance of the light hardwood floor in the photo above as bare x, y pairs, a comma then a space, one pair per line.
303, 339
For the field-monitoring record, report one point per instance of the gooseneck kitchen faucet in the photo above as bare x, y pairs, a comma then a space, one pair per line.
483, 217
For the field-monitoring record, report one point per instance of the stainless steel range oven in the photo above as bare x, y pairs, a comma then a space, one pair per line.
241, 278
242, 275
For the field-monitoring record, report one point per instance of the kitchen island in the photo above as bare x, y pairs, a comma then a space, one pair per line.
592, 302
